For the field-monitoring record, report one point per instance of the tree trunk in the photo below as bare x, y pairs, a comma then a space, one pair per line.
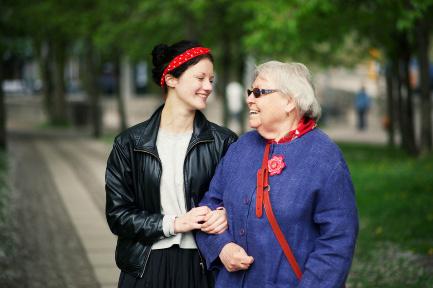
390, 120
59, 57
118, 93
239, 78
422, 33
400, 113
3, 136
225, 65
407, 104
45, 52
91, 85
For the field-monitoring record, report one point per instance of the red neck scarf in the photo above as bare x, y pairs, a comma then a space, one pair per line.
304, 126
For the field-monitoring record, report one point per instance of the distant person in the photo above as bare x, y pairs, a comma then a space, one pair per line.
234, 94
287, 191
362, 105
158, 171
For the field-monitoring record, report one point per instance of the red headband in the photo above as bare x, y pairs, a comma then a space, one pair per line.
182, 58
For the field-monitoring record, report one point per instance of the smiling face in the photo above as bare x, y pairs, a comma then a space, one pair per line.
270, 114
194, 86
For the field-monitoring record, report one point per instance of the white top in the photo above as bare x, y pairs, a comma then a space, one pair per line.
172, 151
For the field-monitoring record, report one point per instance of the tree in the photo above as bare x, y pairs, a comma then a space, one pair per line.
423, 32
9, 43
2, 112
90, 81
89, 16
51, 25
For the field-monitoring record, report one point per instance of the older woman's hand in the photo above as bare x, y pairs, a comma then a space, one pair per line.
215, 222
235, 258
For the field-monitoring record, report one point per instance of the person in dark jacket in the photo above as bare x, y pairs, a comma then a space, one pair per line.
158, 171
287, 191
362, 105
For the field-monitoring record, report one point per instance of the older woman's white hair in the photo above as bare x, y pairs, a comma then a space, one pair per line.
294, 80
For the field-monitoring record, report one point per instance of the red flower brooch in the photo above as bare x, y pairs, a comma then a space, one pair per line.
276, 164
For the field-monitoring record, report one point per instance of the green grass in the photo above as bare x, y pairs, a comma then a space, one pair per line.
395, 202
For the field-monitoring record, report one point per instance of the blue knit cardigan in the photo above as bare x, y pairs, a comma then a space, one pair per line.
314, 203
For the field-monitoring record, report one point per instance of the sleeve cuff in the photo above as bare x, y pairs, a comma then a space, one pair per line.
168, 225
211, 245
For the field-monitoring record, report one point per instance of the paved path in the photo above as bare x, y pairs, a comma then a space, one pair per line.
63, 238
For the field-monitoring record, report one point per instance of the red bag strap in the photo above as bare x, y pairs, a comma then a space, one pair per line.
262, 197
262, 182
280, 236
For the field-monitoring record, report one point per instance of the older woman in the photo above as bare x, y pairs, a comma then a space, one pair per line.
287, 192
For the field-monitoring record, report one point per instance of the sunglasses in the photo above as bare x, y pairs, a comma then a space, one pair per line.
259, 92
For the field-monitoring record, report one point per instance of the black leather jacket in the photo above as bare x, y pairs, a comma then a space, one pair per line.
132, 182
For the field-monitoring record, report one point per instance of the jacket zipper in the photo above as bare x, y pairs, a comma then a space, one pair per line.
145, 262
195, 144
198, 250
191, 198
184, 174
201, 261
159, 176
148, 152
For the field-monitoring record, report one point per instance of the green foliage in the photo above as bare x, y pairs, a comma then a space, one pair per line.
329, 31
48, 19
394, 196
134, 27
8, 31
324, 32
307, 31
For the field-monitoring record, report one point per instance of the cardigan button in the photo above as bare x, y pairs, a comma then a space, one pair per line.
246, 200
242, 232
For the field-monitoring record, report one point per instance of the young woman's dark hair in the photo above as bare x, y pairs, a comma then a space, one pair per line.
162, 54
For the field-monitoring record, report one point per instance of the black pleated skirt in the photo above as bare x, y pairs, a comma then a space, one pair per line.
171, 268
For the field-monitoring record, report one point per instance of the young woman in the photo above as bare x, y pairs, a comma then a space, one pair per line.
159, 170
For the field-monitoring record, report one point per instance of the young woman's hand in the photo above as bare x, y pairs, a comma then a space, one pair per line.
235, 258
191, 220
215, 222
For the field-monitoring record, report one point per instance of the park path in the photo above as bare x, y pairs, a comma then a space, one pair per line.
63, 237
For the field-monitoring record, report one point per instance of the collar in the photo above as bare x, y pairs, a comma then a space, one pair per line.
305, 125
146, 138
